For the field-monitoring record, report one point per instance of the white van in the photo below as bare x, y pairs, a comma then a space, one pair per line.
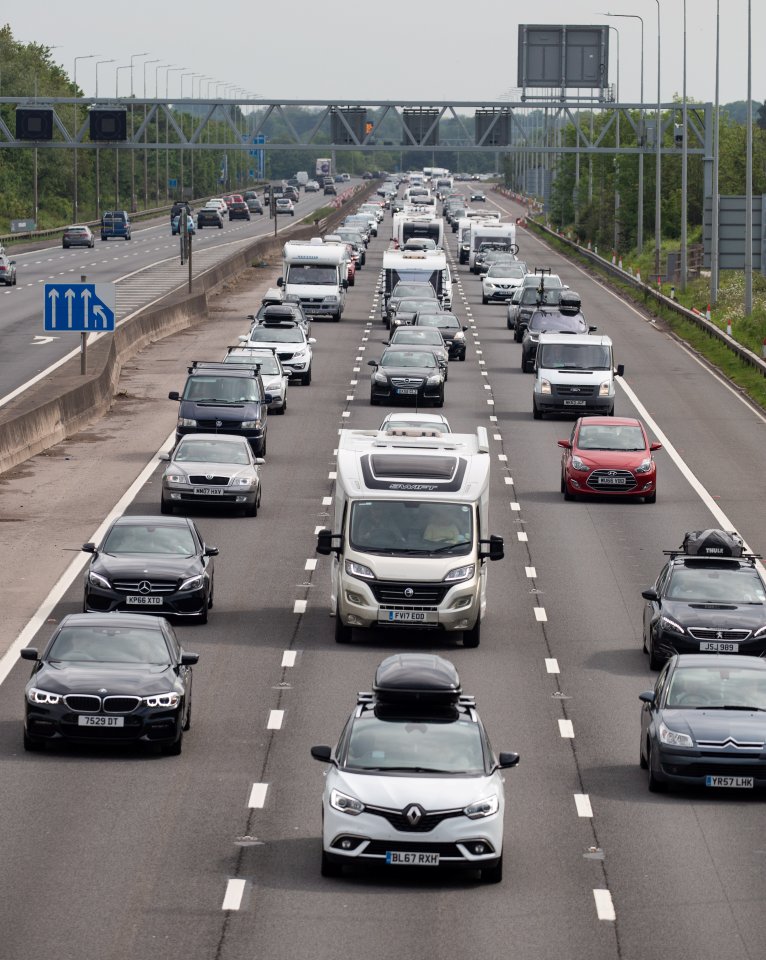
574, 373
315, 274
410, 535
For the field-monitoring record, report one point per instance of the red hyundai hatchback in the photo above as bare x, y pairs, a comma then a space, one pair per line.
609, 456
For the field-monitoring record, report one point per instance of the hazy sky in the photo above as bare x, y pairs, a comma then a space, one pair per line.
396, 49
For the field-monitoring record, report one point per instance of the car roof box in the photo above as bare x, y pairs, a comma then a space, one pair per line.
417, 677
712, 543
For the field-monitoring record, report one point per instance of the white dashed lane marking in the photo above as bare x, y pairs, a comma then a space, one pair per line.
552, 665
257, 798
604, 905
235, 890
300, 606
540, 615
288, 658
275, 720
566, 729
582, 802
310, 565
531, 572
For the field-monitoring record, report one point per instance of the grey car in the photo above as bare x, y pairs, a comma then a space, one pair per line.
429, 337
211, 468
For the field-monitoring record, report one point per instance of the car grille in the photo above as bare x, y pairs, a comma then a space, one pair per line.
710, 748
120, 704
390, 592
710, 633
702, 769
83, 703
210, 481
284, 356
218, 425
155, 586
311, 300
399, 821
90, 703
568, 390
407, 381
630, 480
380, 848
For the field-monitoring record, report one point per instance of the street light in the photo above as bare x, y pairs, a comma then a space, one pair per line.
716, 140
162, 66
117, 79
658, 167
98, 64
146, 136
98, 149
171, 69
134, 56
684, 174
616, 165
640, 207
749, 170
88, 56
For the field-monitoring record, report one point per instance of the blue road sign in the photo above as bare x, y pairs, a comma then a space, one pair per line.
172, 183
79, 307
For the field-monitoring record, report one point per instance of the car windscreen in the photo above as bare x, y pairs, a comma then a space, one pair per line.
419, 745
305, 274
209, 389
716, 582
504, 269
420, 291
575, 356
611, 437
416, 335
274, 334
149, 538
266, 362
416, 425
717, 688
408, 358
196, 450
444, 321
555, 322
112, 644
411, 527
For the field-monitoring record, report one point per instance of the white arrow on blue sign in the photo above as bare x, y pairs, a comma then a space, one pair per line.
79, 307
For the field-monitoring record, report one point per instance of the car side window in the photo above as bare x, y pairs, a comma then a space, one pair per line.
662, 682
663, 579
172, 641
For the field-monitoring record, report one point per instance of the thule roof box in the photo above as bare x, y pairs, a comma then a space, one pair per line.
711, 543
418, 678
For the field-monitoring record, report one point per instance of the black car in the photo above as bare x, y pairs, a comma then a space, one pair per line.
412, 375
547, 321
704, 724
449, 326
530, 301
708, 598
291, 193
222, 398
406, 310
109, 678
405, 291
150, 564
329, 190
239, 210
209, 217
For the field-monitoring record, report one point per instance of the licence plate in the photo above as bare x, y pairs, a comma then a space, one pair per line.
100, 721
144, 601
574, 403
408, 616
406, 391
208, 491
612, 481
411, 859
716, 646
744, 783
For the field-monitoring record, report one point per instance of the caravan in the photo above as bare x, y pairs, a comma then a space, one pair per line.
409, 540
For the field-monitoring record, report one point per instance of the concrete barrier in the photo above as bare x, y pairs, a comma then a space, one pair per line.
66, 402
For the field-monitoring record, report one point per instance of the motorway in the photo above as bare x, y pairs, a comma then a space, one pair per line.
144, 269
215, 854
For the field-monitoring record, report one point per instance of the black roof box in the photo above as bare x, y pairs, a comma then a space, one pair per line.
416, 677
712, 543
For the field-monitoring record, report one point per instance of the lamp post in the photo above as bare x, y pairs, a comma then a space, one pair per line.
749, 170
640, 205
146, 137
117, 148
684, 174
616, 164
716, 137
162, 66
98, 150
89, 56
658, 168
133, 204
170, 70
189, 73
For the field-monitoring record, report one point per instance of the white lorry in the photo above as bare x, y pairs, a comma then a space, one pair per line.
409, 540
484, 231
315, 274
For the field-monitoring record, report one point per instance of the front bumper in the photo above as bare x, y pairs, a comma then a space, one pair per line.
449, 607
501, 294
380, 391
188, 493
692, 767
551, 403
189, 603
255, 437
147, 724
666, 643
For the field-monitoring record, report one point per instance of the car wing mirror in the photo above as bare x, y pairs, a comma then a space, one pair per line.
655, 445
312, 339
243, 338
268, 398
620, 370
29, 653
496, 548
174, 395
592, 329
647, 697
650, 594
326, 542
322, 753
189, 659
211, 551
566, 444
372, 363
506, 760
89, 547
164, 455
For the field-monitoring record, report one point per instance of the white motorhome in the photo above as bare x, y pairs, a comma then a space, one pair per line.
410, 534
414, 266
315, 273
409, 226
484, 231
574, 373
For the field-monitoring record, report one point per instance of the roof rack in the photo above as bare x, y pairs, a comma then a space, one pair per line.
713, 544
229, 368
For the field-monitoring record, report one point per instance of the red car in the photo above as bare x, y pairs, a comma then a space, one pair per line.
609, 456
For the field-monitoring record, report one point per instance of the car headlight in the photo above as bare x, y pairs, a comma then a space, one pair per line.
434, 380
482, 808
251, 424
243, 481
645, 466
345, 804
192, 583
460, 573
534, 337
186, 422
673, 738
578, 464
668, 623
603, 390
332, 298
300, 354
760, 632
545, 386
98, 581
354, 569
176, 478
36, 695
169, 699
379, 377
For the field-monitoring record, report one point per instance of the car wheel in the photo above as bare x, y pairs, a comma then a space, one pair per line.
652, 498
202, 618
32, 744
537, 414
655, 785
187, 723
656, 662
251, 510
343, 634
611, 411
516, 334
174, 749
329, 867
493, 874
472, 637
306, 378
484, 300
641, 758
165, 506
220, 226
200, 226
65, 246
461, 358
373, 400
92, 244
565, 489
508, 323
336, 317
523, 364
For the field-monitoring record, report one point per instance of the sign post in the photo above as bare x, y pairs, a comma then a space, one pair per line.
81, 308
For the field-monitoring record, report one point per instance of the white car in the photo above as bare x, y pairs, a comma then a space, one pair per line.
413, 780
502, 278
283, 205
220, 203
416, 421
290, 342
273, 374
311, 187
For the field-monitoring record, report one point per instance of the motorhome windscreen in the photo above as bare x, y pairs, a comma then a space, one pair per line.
573, 356
402, 275
411, 527
414, 467
412, 229
309, 274
480, 238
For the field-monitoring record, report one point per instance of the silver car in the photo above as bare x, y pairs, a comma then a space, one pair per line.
212, 468
273, 374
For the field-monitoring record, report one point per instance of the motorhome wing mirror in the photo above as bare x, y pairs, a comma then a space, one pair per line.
326, 542
496, 548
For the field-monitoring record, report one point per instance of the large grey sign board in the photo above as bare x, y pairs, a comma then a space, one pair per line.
731, 233
563, 56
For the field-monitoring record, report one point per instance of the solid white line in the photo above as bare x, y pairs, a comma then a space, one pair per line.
582, 802
604, 905
235, 890
552, 665
531, 572
43, 612
257, 798
540, 615
275, 719
300, 606
310, 565
288, 658
566, 729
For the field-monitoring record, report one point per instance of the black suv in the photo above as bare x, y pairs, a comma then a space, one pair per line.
221, 398
708, 598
